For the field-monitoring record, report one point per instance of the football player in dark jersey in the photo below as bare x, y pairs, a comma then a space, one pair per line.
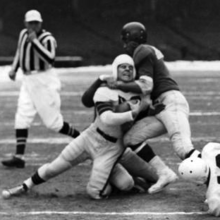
152, 78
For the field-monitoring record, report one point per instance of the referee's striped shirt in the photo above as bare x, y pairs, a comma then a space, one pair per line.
37, 55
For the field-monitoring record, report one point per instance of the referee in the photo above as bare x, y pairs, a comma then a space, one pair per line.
39, 93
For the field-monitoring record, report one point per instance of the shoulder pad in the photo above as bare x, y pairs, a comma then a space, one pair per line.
104, 94
141, 52
145, 50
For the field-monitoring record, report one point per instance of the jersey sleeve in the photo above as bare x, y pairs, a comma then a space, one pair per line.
144, 58
15, 64
104, 99
46, 47
87, 97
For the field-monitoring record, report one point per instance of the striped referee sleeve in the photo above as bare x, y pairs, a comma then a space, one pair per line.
15, 64
46, 49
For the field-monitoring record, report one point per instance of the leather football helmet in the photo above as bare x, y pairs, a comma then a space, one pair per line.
194, 170
134, 31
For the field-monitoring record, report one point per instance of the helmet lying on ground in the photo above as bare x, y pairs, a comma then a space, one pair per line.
194, 170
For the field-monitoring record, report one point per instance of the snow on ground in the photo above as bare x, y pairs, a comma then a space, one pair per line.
172, 66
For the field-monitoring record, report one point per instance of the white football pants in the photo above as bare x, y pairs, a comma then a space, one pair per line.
39, 93
172, 120
104, 154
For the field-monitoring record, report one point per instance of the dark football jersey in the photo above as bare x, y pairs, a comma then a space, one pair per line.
149, 61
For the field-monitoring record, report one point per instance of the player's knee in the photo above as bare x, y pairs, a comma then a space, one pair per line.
96, 193
54, 124
22, 122
126, 184
131, 141
127, 140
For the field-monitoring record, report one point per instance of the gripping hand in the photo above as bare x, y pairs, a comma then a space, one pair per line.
156, 109
12, 74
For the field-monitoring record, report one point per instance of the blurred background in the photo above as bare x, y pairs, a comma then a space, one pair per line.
181, 29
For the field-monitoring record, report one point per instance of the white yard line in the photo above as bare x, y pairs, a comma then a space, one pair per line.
56, 140
100, 213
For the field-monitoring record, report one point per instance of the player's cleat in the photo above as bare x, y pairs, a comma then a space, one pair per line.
14, 162
18, 190
166, 177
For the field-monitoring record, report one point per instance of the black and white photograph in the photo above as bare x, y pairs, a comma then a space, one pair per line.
109, 110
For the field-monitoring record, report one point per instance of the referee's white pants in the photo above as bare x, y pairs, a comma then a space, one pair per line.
39, 93
172, 120
104, 154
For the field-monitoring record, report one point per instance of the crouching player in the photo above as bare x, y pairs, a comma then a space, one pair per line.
205, 170
102, 142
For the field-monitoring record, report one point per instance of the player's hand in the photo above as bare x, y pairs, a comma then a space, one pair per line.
112, 84
105, 77
156, 109
12, 74
138, 106
32, 35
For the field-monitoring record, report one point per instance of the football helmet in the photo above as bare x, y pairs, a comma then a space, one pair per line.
134, 31
194, 170
123, 58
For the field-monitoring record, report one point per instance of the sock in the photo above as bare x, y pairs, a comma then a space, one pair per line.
28, 183
68, 130
21, 138
146, 153
36, 179
32, 181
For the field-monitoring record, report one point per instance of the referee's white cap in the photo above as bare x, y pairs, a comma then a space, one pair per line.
33, 15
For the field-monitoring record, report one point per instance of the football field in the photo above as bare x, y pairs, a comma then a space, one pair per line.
64, 197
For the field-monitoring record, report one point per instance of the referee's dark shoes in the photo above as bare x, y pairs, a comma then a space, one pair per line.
14, 162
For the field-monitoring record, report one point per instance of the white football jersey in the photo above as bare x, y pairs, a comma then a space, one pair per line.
104, 94
211, 155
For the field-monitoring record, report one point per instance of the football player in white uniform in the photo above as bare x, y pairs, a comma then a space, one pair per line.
205, 170
101, 141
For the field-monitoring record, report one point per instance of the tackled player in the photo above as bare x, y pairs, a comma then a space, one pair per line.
102, 142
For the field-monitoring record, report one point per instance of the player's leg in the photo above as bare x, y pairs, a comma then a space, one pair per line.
72, 155
69, 130
46, 97
121, 179
138, 167
150, 167
142, 130
175, 118
24, 117
45, 172
106, 155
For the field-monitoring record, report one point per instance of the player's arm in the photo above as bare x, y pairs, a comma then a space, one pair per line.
87, 97
109, 117
45, 49
118, 116
14, 67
